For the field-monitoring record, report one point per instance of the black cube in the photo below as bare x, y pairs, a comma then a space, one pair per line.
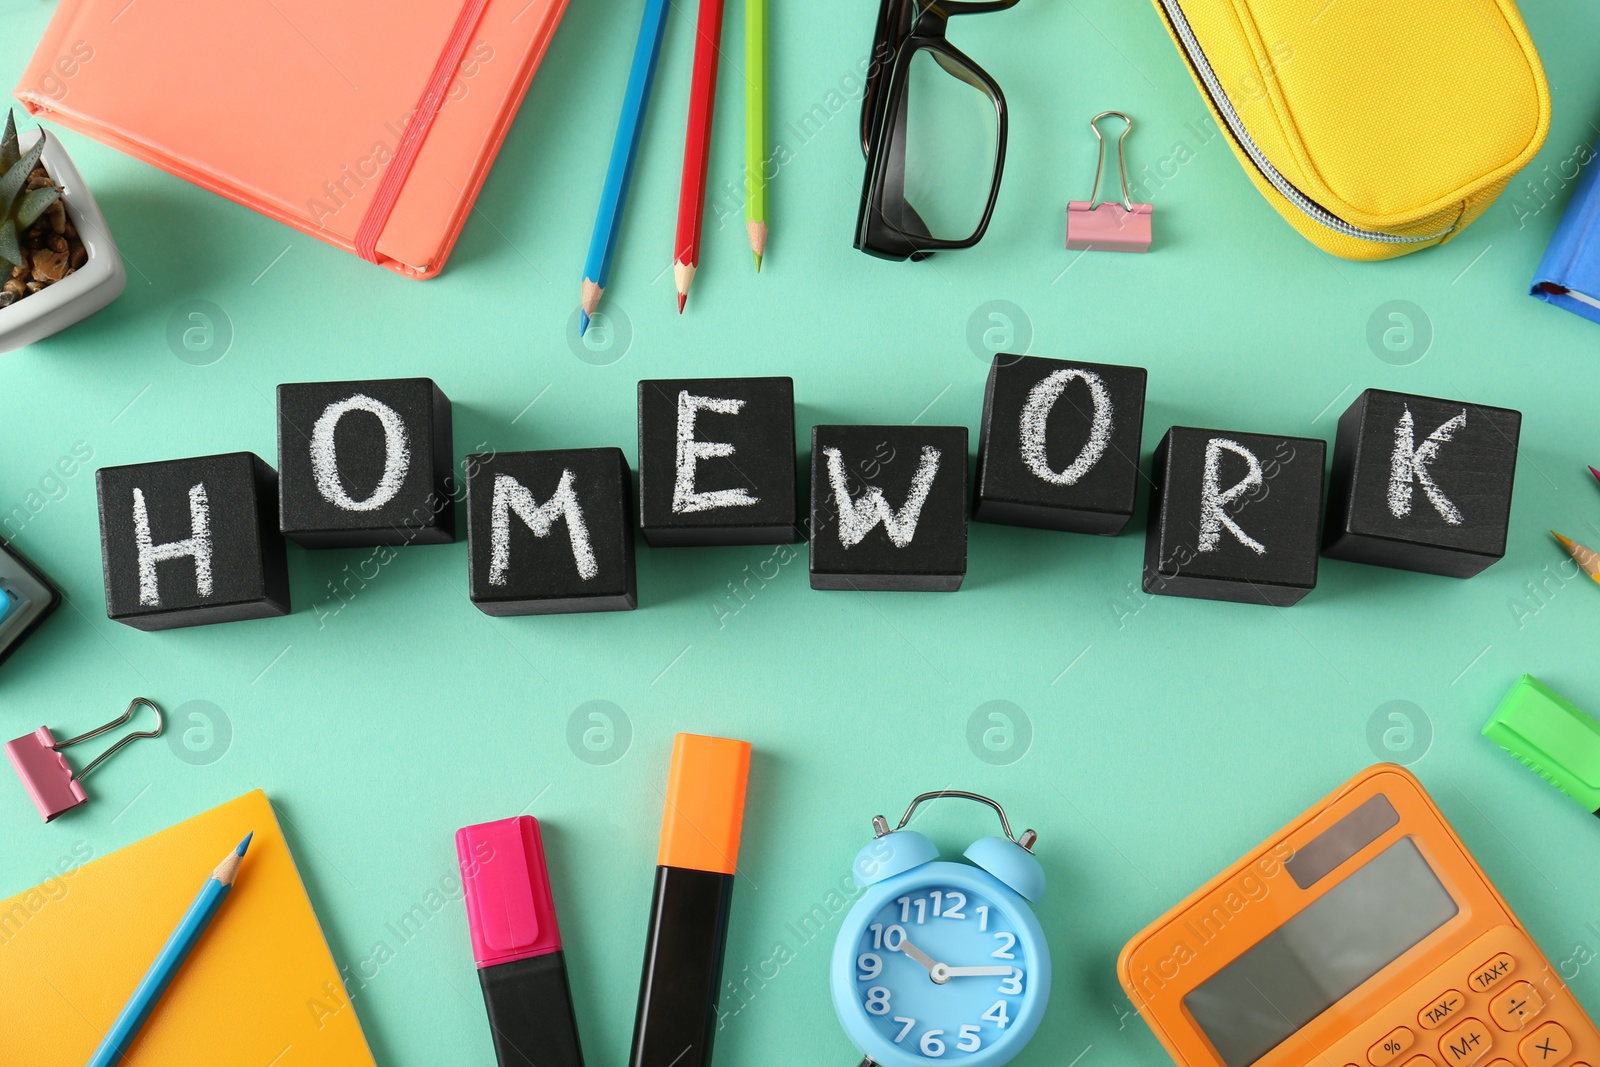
1234, 516
550, 532
365, 463
1422, 484
716, 462
192, 541
889, 507
1059, 444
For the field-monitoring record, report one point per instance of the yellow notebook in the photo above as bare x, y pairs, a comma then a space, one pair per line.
260, 988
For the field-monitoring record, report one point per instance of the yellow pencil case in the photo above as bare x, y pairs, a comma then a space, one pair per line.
1375, 127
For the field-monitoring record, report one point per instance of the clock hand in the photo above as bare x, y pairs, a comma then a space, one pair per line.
977, 972
920, 956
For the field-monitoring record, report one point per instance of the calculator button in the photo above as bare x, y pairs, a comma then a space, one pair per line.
1419, 1061
1513, 1009
1492, 973
1546, 1046
1394, 1042
1465, 1043
1442, 1010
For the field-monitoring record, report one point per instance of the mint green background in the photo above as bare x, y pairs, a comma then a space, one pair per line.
1167, 739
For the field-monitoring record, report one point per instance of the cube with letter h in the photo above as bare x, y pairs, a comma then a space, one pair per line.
191, 541
1059, 444
1422, 484
550, 532
889, 507
1234, 516
365, 463
716, 462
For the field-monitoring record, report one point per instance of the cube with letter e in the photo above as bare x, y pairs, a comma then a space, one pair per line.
716, 462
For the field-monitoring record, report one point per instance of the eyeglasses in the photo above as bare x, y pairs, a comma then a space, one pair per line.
932, 122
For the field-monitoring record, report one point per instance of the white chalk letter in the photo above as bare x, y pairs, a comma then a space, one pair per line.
510, 496
858, 517
1409, 466
197, 545
1041, 400
684, 497
325, 458
1214, 499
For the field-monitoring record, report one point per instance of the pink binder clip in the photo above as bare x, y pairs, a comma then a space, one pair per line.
1109, 227
45, 772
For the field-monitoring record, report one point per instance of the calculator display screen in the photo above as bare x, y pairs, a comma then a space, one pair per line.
1312, 961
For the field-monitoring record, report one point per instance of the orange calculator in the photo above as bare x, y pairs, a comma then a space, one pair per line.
1361, 935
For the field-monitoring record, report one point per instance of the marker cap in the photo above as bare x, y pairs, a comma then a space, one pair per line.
510, 911
1551, 736
705, 804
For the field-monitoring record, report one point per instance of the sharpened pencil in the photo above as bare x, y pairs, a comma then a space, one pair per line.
1586, 558
755, 125
1595, 473
169, 959
697, 146
641, 76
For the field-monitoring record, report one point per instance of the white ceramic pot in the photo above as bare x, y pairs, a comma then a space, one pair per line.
86, 290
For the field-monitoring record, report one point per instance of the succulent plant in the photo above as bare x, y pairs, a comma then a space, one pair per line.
20, 207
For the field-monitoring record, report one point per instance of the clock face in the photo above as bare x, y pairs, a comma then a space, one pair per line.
941, 972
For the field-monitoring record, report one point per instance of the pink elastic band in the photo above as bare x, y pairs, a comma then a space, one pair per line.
410, 146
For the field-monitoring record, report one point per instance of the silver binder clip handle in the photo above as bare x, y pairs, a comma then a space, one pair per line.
1122, 164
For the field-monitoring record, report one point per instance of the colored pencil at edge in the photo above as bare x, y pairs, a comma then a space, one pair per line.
597, 268
169, 959
1586, 558
1595, 473
755, 125
697, 146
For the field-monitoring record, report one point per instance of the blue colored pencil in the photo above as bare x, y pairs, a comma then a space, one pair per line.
169, 959
597, 269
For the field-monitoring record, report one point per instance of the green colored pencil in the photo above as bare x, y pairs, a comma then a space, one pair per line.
755, 125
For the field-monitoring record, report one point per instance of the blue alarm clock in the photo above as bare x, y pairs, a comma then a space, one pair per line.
942, 961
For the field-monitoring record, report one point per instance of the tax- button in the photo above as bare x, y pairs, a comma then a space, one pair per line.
1394, 1042
1516, 1007
1442, 1010
1546, 1046
1465, 1043
1492, 973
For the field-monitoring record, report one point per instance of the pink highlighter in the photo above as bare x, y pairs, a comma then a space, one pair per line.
517, 945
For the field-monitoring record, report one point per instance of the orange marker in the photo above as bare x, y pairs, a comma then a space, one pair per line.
677, 1016
1587, 558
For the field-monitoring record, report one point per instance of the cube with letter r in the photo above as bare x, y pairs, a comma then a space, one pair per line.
1059, 444
1422, 484
550, 532
889, 507
191, 541
365, 463
1234, 516
716, 462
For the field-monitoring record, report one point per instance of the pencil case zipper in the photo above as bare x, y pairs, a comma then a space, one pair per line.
1241, 136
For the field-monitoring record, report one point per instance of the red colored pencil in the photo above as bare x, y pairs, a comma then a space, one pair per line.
697, 147
1595, 473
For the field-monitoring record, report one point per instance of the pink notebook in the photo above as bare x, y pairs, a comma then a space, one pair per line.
305, 110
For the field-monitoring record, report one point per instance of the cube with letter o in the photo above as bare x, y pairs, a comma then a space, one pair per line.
365, 463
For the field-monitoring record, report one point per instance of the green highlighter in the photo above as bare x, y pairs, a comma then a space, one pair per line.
1543, 730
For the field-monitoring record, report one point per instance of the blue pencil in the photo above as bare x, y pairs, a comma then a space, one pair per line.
597, 269
169, 959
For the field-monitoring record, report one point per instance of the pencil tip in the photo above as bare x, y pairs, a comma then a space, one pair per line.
683, 298
758, 261
244, 844
1594, 472
583, 322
